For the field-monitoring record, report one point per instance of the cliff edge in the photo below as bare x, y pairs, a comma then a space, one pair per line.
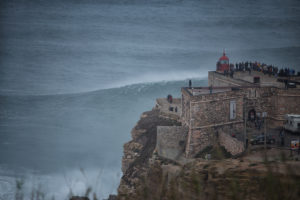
146, 175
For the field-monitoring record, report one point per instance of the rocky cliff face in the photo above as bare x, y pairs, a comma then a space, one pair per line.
148, 176
138, 152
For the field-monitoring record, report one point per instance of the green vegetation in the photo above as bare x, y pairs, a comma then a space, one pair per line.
37, 193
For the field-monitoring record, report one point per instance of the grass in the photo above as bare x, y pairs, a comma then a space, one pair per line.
196, 182
37, 192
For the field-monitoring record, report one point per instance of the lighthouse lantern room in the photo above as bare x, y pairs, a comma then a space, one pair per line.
223, 64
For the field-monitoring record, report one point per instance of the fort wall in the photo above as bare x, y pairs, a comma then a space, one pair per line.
206, 114
241, 78
167, 109
284, 102
199, 139
211, 109
232, 145
170, 142
222, 109
269, 96
216, 79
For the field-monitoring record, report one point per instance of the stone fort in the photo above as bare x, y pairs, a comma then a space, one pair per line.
230, 106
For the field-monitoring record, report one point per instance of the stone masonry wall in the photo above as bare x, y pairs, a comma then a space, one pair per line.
285, 102
219, 80
276, 102
204, 137
164, 106
206, 114
231, 144
272, 99
214, 111
260, 100
199, 140
185, 102
170, 142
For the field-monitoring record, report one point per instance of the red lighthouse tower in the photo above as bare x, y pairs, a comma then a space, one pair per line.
223, 63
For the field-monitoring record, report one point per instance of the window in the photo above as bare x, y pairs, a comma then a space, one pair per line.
224, 62
232, 110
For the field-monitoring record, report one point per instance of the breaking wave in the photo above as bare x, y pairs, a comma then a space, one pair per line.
45, 136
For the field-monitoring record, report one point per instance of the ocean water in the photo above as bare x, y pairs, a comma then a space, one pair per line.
76, 75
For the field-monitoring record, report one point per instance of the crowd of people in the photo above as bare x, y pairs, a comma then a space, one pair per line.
264, 68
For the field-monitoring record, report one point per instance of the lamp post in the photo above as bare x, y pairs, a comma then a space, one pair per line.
264, 115
244, 107
247, 134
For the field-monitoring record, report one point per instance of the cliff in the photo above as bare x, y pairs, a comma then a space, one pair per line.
148, 176
138, 152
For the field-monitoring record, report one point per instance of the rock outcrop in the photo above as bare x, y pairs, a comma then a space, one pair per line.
139, 151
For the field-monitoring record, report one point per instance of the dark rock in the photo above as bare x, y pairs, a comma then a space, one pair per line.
112, 197
79, 198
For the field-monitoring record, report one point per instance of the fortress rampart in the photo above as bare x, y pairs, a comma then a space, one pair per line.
227, 105
216, 79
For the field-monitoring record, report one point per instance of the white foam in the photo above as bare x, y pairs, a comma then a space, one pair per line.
102, 182
159, 77
148, 78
